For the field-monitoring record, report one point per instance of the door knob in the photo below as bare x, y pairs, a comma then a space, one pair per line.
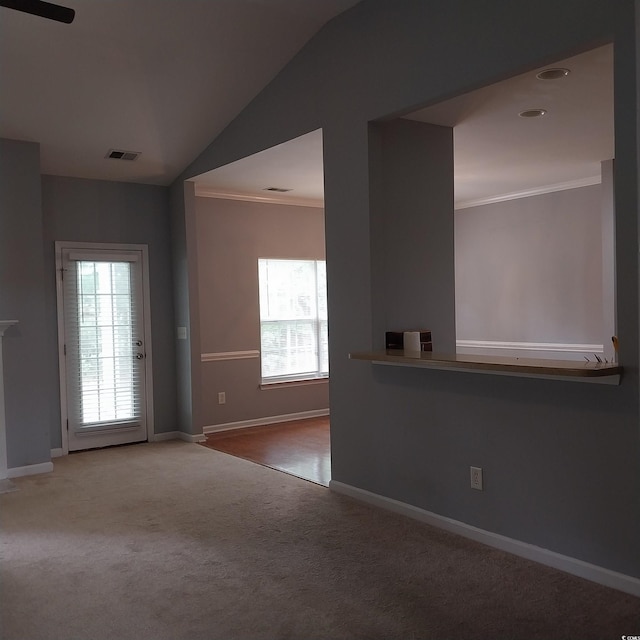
139, 356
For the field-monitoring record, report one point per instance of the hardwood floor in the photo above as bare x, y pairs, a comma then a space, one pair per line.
300, 448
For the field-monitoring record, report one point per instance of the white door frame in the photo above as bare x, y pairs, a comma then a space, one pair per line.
146, 311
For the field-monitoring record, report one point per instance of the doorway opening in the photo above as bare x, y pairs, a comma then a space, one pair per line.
262, 300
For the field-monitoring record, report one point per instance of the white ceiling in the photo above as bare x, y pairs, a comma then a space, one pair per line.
162, 77
497, 153
295, 165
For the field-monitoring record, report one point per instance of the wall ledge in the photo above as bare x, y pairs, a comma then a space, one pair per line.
574, 566
570, 371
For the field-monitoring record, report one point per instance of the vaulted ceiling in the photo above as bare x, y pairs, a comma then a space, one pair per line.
163, 78
159, 77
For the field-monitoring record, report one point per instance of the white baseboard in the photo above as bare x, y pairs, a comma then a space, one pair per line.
154, 437
176, 435
30, 470
592, 572
187, 437
258, 422
161, 437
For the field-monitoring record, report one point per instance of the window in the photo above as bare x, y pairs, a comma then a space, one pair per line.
293, 319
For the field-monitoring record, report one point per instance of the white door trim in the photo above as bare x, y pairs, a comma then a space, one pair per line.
146, 310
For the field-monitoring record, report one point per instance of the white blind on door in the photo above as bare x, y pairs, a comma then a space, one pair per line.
101, 318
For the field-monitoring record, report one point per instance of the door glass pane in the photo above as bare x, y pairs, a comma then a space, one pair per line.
106, 336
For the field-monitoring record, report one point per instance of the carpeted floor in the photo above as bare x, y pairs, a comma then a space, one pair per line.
175, 541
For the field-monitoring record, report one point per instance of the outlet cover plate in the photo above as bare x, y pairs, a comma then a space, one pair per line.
476, 478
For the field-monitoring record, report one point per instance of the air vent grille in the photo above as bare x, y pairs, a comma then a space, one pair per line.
119, 154
277, 189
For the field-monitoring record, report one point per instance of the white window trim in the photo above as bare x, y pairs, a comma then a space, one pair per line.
299, 379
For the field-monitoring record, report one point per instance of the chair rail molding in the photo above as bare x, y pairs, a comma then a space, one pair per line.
4, 325
229, 355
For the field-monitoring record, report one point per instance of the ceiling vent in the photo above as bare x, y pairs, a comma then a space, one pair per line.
277, 189
118, 154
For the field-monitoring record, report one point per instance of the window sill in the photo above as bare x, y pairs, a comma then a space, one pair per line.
284, 384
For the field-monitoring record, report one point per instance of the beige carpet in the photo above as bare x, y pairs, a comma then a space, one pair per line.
176, 541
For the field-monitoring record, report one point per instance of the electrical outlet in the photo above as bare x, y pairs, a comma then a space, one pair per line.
476, 478
222, 397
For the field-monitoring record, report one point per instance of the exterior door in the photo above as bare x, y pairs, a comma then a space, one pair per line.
103, 350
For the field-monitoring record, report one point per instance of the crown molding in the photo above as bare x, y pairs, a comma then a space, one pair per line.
527, 193
207, 192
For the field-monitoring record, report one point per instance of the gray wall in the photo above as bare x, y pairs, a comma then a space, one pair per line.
98, 211
411, 202
28, 388
184, 252
232, 235
609, 302
530, 270
561, 460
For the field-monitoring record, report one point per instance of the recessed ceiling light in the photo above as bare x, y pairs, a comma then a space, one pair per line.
553, 74
532, 113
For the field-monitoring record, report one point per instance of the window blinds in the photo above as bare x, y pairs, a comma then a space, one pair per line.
293, 319
104, 351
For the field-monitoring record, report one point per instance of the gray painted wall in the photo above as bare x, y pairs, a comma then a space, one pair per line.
232, 235
530, 270
609, 302
561, 460
98, 211
184, 251
411, 201
28, 389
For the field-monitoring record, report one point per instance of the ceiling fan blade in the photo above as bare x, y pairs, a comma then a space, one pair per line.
42, 9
